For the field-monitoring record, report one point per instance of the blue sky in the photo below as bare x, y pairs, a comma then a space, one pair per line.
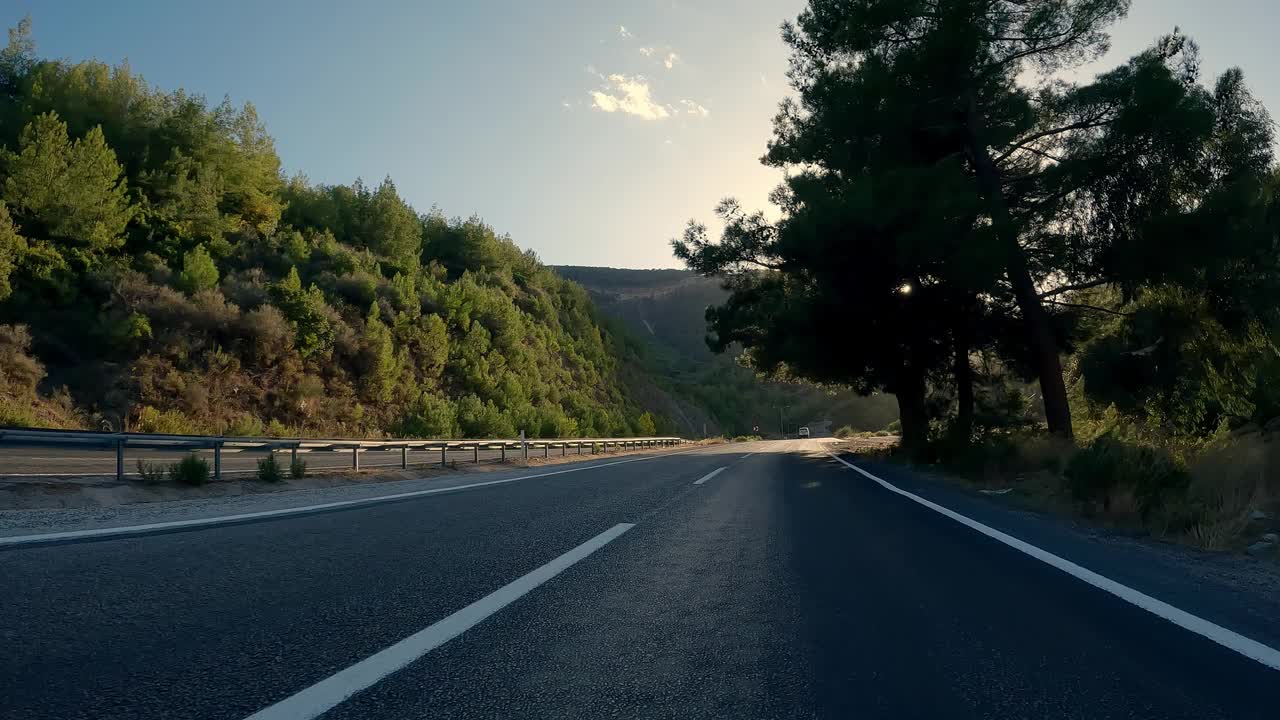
567, 124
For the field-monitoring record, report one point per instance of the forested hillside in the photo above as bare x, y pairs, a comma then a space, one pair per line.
664, 310
159, 273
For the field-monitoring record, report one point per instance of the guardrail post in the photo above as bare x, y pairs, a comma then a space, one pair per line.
564, 449
293, 456
546, 450
217, 461
404, 457
443, 461
120, 460
355, 458
475, 453
593, 447
504, 451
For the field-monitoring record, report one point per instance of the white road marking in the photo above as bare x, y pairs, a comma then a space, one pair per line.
285, 512
708, 476
1229, 639
333, 690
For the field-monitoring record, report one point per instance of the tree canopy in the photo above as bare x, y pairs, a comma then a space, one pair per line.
949, 193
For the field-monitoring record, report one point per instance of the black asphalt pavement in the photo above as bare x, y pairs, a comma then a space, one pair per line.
786, 586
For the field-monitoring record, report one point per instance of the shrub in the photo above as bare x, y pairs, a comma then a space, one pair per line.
168, 422
298, 469
190, 470
269, 470
894, 427
13, 414
1109, 468
245, 425
247, 288
270, 333
208, 311
151, 473
429, 416
1227, 484
19, 371
845, 432
198, 270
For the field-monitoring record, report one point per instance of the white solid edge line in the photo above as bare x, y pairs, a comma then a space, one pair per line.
284, 512
1229, 639
331, 691
708, 476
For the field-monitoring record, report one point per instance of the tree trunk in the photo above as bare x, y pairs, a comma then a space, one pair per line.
964, 380
910, 392
1044, 347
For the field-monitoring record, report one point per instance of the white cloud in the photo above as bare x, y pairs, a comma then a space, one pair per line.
646, 51
693, 108
566, 104
623, 31
671, 60
763, 80
630, 95
667, 141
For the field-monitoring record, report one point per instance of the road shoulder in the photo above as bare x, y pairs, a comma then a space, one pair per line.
1237, 592
16, 523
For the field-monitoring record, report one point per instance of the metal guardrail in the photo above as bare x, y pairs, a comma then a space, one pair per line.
119, 441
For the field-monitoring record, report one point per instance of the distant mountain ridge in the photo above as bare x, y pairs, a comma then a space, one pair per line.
664, 313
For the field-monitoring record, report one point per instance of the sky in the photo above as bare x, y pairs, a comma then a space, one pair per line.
590, 131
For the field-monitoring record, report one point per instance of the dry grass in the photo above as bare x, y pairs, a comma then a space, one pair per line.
1228, 485
1212, 504
1049, 453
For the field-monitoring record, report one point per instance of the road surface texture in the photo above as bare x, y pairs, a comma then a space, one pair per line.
784, 586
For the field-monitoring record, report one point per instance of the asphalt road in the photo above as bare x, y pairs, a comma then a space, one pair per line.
47, 461
784, 586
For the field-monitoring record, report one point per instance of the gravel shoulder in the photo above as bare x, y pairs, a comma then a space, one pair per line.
106, 505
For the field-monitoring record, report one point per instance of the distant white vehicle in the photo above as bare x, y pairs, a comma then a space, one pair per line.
804, 432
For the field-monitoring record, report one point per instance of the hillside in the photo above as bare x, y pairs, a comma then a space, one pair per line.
158, 273
663, 312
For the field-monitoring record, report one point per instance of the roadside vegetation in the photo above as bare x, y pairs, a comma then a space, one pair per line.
190, 470
269, 470
158, 273
1070, 283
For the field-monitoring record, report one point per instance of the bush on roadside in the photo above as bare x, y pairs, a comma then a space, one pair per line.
845, 432
1126, 478
298, 469
1228, 484
151, 473
894, 427
269, 470
190, 470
